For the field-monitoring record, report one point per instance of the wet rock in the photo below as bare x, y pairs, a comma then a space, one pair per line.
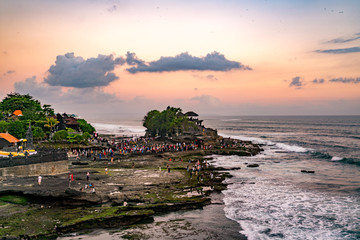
307, 171
253, 165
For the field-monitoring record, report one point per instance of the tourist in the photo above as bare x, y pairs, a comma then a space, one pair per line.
106, 170
87, 176
39, 179
71, 178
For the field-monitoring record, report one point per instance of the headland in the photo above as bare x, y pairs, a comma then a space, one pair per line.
116, 182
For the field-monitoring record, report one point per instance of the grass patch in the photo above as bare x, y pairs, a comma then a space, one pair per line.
13, 199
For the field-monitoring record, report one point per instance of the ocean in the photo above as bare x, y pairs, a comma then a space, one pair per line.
277, 200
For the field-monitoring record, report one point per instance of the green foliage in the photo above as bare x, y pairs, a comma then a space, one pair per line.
51, 123
1, 114
29, 114
48, 111
70, 130
74, 138
60, 135
16, 101
38, 133
79, 138
85, 126
86, 136
4, 126
18, 128
164, 123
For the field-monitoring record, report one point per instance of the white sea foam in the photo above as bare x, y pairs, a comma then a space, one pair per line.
336, 158
273, 209
283, 146
119, 129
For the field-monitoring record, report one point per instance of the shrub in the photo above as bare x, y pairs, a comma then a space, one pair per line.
38, 133
60, 135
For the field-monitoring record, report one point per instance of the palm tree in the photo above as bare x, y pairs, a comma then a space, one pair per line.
51, 123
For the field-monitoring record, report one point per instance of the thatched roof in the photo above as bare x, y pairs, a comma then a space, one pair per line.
191, 114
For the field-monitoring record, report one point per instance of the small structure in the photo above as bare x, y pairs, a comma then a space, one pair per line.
66, 121
7, 140
71, 122
191, 114
29, 138
16, 114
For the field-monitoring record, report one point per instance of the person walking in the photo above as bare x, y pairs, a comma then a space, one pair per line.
71, 178
39, 179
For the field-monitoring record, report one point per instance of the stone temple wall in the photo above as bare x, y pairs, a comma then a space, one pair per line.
48, 168
45, 162
42, 156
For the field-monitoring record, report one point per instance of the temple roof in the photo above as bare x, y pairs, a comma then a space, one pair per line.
18, 113
191, 114
8, 137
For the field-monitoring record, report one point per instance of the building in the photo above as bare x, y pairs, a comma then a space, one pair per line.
7, 140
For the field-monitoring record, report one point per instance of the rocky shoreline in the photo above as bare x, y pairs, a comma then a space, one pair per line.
131, 189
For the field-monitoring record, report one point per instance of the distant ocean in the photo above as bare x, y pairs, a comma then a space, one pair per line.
277, 200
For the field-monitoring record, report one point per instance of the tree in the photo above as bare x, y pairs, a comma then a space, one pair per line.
167, 122
16, 101
38, 133
51, 123
18, 128
86, 136
60, 135
85, 126
4, 126
47, 110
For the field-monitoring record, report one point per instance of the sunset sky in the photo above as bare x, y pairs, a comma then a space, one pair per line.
107, 57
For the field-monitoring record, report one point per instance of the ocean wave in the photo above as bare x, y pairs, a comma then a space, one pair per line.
119, 129
350, 161
268, 211
282, 146
331, 158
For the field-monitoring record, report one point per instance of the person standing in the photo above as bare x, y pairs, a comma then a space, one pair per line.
39, 179
71, 178
87, 176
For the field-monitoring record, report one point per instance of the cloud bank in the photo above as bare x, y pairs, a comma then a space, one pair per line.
340, 50
183, 62
346, 80
71, 71
345, 40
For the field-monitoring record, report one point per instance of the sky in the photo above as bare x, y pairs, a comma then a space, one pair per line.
113, 58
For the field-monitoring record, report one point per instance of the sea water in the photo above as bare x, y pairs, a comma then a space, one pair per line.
277, 200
